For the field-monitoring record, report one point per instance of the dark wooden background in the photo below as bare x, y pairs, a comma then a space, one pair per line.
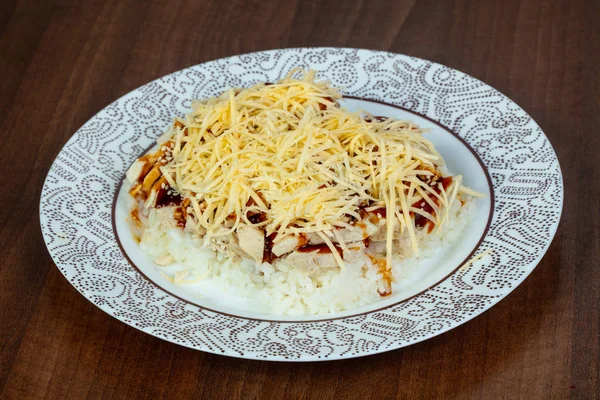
61, 61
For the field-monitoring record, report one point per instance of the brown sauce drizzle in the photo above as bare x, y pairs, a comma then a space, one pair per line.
302, 240
135, 217
168, 197
180, 217
150, 161
372, 216
386, 273
319, 248
367, 241
421, 221
257, 218
267, 253
137, 193
164, 199
180, 214
381, 211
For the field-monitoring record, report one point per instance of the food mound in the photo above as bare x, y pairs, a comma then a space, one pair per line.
278, 180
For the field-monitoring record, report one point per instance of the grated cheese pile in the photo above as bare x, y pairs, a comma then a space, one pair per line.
287, 151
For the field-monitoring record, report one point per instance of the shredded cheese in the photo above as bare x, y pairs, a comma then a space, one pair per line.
476, 257
289, 152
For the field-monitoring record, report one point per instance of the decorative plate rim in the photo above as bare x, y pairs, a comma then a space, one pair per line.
333, 354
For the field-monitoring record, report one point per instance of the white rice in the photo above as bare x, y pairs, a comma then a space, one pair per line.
280, 288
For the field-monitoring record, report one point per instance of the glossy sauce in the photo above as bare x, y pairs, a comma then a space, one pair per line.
381, 211
164, 199
421, 221
385, 272
150, 160
257, 218
319, 248
180, 214
135, 217
267, 253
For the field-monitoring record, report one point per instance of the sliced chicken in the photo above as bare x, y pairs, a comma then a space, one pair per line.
193, 227
360, 231
309, 262
162, 217
289, 244
381, 234
146, 170
156, 191
226, 243
150, 178
355, 251
252, 241
134, 173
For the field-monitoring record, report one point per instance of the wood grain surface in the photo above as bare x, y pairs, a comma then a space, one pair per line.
61, 61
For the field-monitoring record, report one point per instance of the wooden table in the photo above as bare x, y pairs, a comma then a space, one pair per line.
61, 61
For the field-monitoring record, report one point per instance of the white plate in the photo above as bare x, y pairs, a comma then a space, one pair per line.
482, 135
